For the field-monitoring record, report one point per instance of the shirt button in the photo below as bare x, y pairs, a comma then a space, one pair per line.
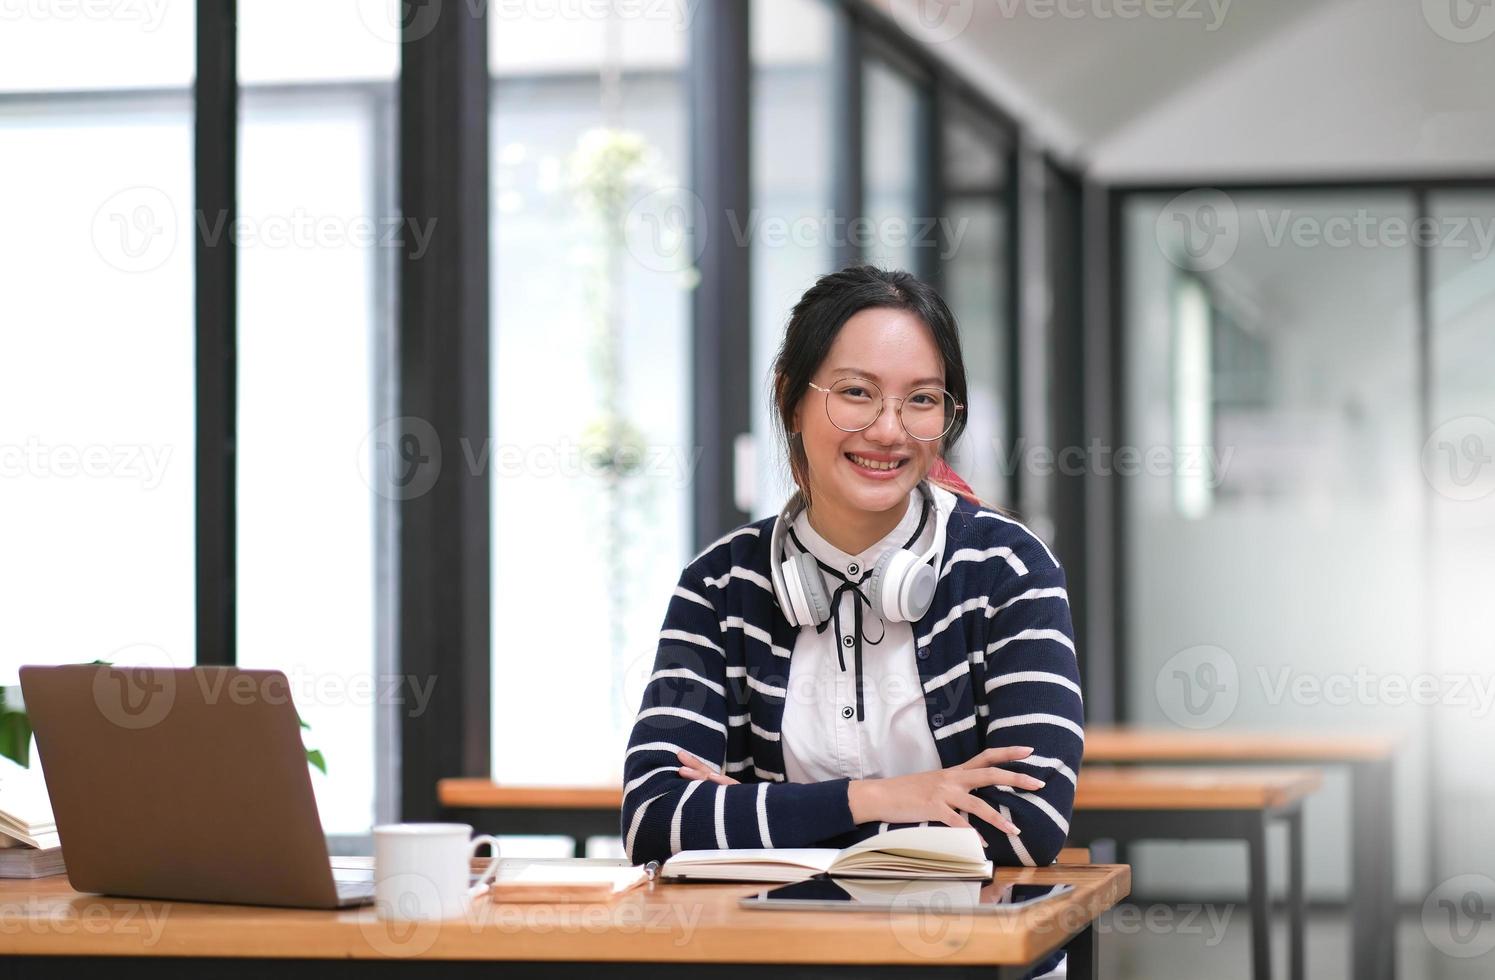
853, 568
847, 712
923, 653
938, 720
846, 641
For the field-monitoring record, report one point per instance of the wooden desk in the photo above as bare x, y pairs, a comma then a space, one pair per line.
1215, 803
49, 930
1368, 760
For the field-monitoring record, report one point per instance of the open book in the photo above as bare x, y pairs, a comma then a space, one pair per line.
949, 853
29, 846
25, 809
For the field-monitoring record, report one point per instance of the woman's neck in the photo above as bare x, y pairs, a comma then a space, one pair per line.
850, 529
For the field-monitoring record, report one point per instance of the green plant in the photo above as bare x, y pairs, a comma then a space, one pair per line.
15, 732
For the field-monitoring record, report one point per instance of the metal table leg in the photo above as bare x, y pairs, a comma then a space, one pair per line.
1255, 833
1296, 953
1372, 855
1080, 955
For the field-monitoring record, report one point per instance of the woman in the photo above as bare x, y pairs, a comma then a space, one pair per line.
884, 652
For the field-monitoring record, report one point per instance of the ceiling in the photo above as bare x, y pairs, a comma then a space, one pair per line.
1232, 89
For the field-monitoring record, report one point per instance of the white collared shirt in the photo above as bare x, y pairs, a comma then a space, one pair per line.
822, 738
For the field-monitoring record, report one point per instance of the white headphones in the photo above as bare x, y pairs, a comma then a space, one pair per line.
900, 587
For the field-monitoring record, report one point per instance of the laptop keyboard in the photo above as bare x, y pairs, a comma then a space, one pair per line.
348, 890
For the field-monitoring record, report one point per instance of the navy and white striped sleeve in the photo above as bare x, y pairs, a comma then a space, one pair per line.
1028, 693
686, 704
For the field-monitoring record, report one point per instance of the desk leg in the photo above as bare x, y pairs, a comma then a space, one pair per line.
1372, 857
1259, 897
1079, 955
1296, 954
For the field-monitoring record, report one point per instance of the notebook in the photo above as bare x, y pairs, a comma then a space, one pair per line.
25, 809
946, 853
578, 881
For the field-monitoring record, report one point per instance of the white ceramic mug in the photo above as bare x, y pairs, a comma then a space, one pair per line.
421, 870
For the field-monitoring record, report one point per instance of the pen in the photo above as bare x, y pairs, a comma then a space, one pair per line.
652, 870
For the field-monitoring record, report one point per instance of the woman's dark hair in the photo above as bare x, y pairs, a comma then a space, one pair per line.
819, 316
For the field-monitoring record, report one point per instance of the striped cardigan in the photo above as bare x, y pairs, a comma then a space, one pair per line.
995, 653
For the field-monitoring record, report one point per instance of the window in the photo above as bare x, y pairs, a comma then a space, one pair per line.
891, 138
1284, 471
96, 336
795, 231
977, 271
591, 394
318, 240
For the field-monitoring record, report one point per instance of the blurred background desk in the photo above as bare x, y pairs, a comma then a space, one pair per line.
1368, 760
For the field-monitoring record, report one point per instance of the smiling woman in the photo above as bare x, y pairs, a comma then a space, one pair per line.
934, 677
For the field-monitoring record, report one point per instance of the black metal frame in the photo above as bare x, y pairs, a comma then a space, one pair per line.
444, 532
215, 192
718, 79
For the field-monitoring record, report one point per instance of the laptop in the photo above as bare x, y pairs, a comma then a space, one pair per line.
187, 784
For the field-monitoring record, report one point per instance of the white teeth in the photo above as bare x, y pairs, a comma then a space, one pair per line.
873, 464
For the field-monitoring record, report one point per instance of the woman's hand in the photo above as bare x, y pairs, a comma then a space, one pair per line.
942, 795
693, 768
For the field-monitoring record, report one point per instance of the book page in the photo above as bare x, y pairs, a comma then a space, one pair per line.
813, 858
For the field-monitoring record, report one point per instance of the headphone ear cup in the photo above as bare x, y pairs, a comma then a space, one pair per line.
818, 602
808, 604
917, 594
794, 607
902, 586
877, 587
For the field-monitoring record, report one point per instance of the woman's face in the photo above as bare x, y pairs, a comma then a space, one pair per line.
894, 349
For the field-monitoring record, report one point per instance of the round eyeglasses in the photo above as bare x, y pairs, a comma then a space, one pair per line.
853, 404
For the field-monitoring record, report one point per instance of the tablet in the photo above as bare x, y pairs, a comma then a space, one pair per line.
879, 895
